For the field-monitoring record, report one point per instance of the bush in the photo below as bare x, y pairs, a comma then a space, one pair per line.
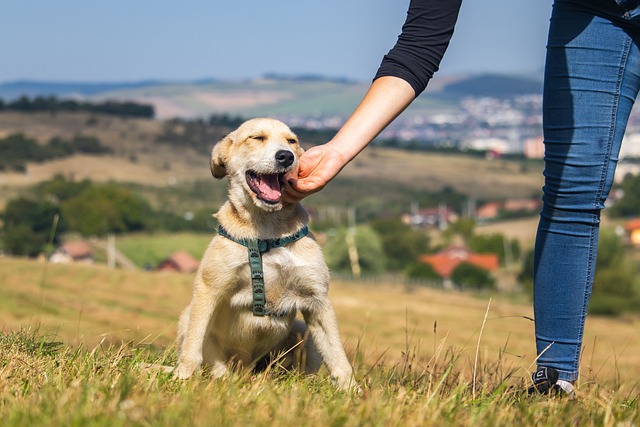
108, 208
495, 244
629, 204
469, 276
23, 241
401, 244
27, 226
17, 149
610, 305
525, 277
422, 271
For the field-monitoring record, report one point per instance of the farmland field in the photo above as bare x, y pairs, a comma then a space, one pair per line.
86, 304
75, 339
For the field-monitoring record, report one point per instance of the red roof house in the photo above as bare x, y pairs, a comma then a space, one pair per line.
632, 229
74, 251
180, 261
447, 260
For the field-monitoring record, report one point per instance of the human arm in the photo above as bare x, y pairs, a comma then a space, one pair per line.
387, 97
401, 77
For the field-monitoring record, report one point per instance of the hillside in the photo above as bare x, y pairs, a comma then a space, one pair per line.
389, 175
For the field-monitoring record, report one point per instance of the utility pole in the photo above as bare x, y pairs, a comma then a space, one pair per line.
351, 243
111, 251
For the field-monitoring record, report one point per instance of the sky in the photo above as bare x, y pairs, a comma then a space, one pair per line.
132, 40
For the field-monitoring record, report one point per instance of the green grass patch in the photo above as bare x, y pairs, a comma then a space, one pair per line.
150, 249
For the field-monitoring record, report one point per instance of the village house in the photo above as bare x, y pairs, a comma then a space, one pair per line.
446, 261
431, 217
632, 232
181, 262
488, 211
78, 251
493, 210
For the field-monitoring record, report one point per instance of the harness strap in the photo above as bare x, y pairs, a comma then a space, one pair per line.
255, 249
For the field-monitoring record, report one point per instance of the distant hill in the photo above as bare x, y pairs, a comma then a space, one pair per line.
16, 89
492, 85
272, 95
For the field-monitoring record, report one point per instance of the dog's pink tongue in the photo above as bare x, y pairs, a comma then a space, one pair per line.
268, 187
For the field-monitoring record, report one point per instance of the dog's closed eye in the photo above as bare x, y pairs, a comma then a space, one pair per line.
260, 138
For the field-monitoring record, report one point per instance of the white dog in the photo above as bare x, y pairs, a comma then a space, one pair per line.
261, 268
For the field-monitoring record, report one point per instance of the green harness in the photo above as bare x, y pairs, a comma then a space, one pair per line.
255, 248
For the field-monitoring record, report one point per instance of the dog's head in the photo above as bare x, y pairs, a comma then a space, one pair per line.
256, 157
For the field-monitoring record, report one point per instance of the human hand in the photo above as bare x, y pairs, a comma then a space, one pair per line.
316, 167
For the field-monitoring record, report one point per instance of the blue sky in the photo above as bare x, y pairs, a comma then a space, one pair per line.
118, 40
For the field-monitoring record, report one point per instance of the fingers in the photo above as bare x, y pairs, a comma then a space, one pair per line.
290, 194
297, 189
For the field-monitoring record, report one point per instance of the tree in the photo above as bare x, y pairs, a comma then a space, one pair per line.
27, 226
629, 204
17, 149
463, 227
525, 277
60, 188
495, 244
88, 145
370, 254
422, 271
469, 276
401, 244
613, 291
108, 208
22, 241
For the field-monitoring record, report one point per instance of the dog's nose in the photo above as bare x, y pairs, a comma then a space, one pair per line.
284, 158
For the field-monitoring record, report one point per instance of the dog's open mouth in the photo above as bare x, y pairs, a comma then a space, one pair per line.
268, 187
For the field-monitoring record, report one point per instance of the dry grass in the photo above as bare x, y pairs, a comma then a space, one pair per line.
383, 323
414, 351
476, 177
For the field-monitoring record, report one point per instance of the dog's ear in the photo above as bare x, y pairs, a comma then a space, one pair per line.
219, 157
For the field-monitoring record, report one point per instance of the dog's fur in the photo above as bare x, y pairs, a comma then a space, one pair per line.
218, 328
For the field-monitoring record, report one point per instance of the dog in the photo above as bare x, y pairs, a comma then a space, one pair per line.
242, 308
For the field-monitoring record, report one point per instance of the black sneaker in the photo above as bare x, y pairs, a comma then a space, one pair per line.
545, 381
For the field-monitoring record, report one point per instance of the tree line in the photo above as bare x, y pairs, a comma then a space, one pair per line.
52, 104
18, 149
85, 208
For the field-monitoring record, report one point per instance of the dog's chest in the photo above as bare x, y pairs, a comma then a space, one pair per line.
284, 290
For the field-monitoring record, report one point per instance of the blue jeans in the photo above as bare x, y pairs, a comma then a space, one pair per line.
592, 76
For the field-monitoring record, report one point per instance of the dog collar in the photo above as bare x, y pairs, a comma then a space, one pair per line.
255, 248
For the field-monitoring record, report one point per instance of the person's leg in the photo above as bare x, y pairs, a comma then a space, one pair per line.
591, 81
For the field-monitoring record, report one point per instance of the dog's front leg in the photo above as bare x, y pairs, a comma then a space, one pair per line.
200, 313
323, 329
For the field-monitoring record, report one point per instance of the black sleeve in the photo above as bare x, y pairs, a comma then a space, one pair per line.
420, 47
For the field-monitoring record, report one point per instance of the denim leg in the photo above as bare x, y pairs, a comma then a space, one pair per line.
591, 82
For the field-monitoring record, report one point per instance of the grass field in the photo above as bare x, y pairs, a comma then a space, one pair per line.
150, 249
422, 357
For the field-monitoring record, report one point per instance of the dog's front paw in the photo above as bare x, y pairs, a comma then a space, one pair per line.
186, 368
218, 370
346, 382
